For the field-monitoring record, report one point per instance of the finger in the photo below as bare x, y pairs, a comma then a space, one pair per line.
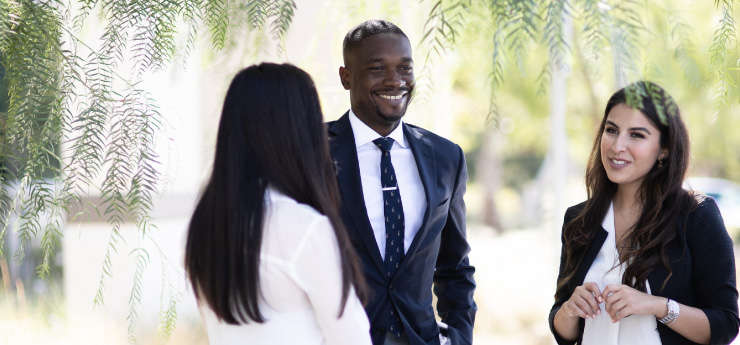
610, 300
592, 296
618, 310
573, 310
611, 289
621, 314
585, 301
594, 289
586, 307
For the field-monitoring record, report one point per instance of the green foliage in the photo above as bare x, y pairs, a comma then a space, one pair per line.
622, 28
217, 21
603, 45
59, 88
723, 36
134, 301
31, 55
594, 20
62, 88
439, 33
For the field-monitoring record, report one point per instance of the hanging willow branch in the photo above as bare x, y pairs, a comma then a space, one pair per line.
444, 20
724, 35
63, 91
616, 27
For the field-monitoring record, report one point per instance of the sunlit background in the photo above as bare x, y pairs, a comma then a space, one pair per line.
526, 162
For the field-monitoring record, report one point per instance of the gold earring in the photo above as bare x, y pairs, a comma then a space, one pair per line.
660, 162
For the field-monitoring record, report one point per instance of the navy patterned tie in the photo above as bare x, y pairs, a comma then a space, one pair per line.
394, 221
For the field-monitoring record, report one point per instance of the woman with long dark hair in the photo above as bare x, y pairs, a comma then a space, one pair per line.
644, 261
267, 255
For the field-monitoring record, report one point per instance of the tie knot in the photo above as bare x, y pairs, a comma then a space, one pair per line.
384, 144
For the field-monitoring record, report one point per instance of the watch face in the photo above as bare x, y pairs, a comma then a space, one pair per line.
673, 311
673, 307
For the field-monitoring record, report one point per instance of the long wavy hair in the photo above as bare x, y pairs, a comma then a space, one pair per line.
661, 194
271, 133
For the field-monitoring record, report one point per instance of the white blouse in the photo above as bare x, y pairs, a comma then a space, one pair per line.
635, 329
300, 282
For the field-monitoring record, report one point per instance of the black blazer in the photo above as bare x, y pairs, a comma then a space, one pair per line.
438, 255
703, 263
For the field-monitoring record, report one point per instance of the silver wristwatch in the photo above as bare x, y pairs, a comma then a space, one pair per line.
673, 311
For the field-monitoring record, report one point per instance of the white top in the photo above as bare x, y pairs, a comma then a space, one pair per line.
300, 282
635, 329
409, 182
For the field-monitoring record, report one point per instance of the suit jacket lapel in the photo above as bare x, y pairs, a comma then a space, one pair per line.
425, 162
344, 153
590, 255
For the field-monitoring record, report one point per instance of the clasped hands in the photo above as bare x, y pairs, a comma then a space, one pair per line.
619, 300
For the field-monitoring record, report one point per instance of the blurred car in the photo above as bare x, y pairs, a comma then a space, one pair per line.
727, 195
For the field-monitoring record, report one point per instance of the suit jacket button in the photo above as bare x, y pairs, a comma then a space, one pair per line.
380, 331
392, 289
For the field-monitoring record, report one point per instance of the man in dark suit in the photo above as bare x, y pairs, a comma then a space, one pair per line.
402, 189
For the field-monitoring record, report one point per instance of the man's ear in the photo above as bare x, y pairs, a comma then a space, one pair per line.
344, 76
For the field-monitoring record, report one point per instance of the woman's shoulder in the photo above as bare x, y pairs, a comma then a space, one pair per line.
703, 206
286, 206
573, 211
705, 219
289, 224
704, 202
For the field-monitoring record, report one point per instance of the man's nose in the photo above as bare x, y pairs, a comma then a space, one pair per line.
393, 79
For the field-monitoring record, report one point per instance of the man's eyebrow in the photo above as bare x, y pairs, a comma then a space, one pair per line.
642, 129
380, 59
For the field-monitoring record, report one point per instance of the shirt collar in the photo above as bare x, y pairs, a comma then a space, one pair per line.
608, 222
364, 134
272, 194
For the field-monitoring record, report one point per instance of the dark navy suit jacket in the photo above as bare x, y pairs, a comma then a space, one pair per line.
438, 255
703, 264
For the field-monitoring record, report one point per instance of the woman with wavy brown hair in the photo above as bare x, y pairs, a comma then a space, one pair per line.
643, 260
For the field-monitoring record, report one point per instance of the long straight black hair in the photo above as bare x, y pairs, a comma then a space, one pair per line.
271, 133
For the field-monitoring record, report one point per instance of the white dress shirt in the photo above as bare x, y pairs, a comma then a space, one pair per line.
300, 285
635, 329
409, 182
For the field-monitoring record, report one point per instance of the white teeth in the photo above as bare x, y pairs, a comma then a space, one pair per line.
618, 162
391, 97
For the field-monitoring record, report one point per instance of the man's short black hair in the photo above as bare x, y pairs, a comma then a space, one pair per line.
366, 29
